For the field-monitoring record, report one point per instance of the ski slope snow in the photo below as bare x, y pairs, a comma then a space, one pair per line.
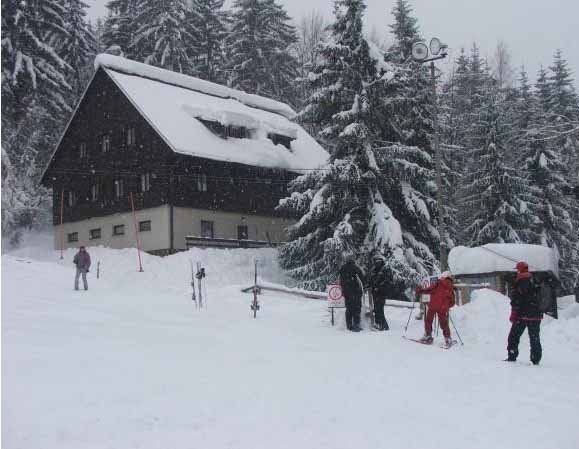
131, 364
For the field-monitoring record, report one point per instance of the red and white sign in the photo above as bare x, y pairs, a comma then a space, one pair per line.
335, 297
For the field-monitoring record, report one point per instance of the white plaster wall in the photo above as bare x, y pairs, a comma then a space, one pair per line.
188, 222
155, 239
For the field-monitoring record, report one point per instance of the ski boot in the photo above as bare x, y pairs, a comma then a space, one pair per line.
426, 339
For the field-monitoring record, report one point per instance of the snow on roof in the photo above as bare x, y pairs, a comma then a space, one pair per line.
497, 257
173, 103
129, 67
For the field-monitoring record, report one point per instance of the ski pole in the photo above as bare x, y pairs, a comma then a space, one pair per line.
409, 316
455, 329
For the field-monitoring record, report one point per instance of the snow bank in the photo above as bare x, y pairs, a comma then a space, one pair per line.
501, 257
132, 363
127, 66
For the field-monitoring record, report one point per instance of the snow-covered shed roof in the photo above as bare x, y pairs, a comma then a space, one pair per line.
174, 104
502, 257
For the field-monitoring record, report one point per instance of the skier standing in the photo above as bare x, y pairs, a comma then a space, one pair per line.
441, 300
379, 289
351, 281
525, 314
82, 262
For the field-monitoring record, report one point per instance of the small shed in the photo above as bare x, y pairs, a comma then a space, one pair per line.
494, 264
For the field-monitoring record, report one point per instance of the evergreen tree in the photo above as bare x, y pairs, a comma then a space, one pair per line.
405, 31
120, 26
259, 48
210, 25
163, 36
403, 117
79, 45
343, 208
31, 67
496, 195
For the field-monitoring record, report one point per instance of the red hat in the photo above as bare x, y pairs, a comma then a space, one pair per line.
522, 267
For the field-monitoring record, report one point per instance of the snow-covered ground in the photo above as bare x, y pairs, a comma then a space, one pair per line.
132, 364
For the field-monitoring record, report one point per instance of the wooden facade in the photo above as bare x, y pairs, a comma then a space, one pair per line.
110, 150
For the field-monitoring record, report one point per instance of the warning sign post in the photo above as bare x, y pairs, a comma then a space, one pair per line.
335, 298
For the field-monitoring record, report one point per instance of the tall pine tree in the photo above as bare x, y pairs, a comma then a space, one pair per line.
210, 29
497, 196
163, 36
259, 49
79, 45
342, 205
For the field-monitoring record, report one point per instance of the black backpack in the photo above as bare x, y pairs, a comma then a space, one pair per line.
545, 297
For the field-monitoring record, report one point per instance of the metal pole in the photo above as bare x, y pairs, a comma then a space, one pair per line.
136, 231
62, 224
441, 227
455, 329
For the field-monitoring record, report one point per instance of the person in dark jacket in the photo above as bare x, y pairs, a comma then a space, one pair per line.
82, 262
352, 283
525, 314
379, 289
441, 300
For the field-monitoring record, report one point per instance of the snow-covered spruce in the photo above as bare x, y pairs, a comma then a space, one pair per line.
163, 37
343, 207
260, 60
209, 24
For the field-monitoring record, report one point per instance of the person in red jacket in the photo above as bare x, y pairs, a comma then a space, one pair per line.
441, 300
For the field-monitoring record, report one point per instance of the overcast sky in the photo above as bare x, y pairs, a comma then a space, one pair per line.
532, 29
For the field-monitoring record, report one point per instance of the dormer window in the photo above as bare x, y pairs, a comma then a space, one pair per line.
279, 139
237, 132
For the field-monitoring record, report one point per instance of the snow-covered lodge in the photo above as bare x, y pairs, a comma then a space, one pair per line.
493, 265
203, 164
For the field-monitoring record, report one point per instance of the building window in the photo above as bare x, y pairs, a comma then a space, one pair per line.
242, 232
145, 182
207, 229
105, 143
119, 230
71, 198
202, 182
72, 237
278, 139
131, 136
238, 132
83, 151
119, 189
95, 192
95, 234
144, 226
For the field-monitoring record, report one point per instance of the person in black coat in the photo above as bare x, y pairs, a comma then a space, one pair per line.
525, 314
379, 289
352, 283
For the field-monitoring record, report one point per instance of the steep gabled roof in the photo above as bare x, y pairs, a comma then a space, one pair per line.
174, 104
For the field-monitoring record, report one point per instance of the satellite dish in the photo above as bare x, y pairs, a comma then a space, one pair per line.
420, 51
435, 46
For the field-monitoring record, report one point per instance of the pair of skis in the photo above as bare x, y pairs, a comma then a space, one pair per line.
442, 346
198, 274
